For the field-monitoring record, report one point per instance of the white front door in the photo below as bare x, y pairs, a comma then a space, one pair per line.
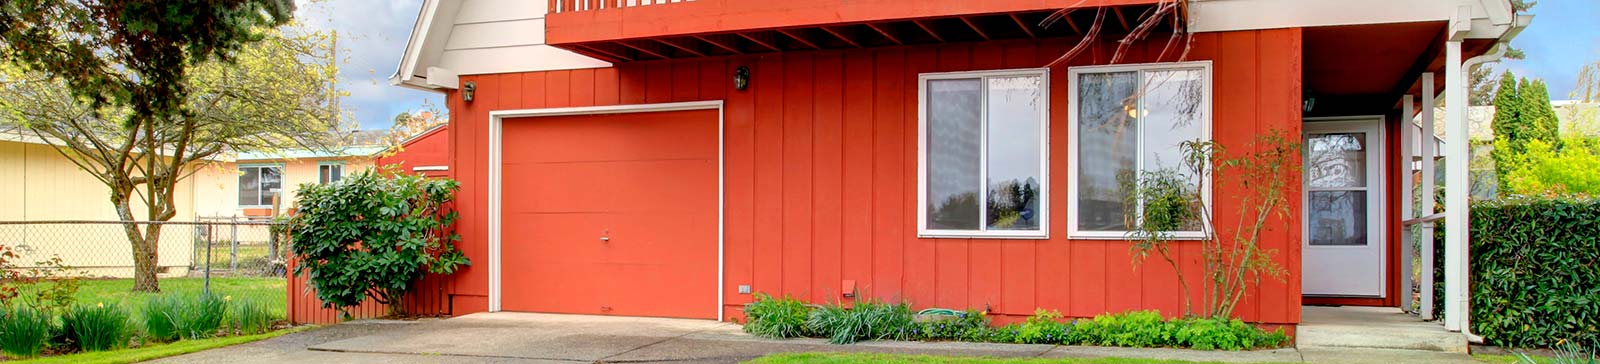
1343, 251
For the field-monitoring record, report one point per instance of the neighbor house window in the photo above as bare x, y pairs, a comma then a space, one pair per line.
1129, 120
329, 173
981, 154
258, 185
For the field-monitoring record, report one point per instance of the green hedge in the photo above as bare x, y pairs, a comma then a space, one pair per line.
1536, 271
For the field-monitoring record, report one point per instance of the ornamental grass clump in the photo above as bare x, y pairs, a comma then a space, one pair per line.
160, 317
202, 317
97, 327
24, 332
869, 320
251, 317
777, 318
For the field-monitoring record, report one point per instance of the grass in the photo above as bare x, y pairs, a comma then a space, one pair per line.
155, 351
269, 292
863, 358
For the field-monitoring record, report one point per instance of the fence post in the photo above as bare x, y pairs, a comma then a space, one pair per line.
210, 237
233, 238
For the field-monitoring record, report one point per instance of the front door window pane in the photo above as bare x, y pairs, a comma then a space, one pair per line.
1338, 218
1337, 160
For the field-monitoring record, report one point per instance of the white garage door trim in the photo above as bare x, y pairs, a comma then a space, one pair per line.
497, 117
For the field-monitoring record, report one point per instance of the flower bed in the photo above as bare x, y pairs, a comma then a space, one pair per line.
786, 317
28, 332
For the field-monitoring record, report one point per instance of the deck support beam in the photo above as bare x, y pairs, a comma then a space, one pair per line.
1426, 148
1456, 188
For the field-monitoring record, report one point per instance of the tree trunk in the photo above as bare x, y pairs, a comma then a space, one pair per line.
142, 242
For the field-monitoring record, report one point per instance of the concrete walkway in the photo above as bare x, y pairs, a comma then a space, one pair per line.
567, 339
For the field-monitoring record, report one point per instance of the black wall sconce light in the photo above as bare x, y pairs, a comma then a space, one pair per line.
741, 78
468, 90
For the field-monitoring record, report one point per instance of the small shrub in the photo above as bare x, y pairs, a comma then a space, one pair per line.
1138, 329
96, 328
24, 332
1044, 327
776, 318
160, 318
1535, 281
1217, 334
202, 317
865, 321
969, 325
251, 317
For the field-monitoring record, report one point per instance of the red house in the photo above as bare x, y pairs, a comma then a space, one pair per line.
671, 158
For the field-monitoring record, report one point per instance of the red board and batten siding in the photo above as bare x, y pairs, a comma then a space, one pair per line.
430, 296
820, 179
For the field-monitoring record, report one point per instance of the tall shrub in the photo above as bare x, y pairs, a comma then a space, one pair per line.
373, 234
1535, 271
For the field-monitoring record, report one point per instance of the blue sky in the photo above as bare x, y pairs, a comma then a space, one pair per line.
1564, 35
372, 33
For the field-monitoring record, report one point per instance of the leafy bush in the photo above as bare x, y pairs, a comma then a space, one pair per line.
251, 317
1217, 334
1131, 329
48, 285
24, 332
96, 328
1044, 327
160, 318
371, 235
969, 325
776, 318
1536, 271
865, 321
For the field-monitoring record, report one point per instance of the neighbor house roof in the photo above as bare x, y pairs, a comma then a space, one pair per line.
352, 151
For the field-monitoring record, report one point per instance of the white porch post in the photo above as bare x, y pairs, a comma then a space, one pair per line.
1427, 145
1408, 132
1456, 189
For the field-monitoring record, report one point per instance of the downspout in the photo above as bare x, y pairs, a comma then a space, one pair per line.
1518, 23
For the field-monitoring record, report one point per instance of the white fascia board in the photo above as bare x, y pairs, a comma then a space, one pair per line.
1231, 15
427, 40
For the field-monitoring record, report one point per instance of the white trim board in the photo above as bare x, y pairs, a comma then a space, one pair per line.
496, 118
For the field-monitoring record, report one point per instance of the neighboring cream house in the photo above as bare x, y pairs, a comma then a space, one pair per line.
38, 184
253, 185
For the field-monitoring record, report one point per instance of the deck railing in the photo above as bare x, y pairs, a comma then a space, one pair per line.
567, 6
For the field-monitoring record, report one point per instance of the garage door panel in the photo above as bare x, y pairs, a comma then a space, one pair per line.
666, 185
545, 238
646, 181
558, 187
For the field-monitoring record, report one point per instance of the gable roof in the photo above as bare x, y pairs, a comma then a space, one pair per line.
461, 37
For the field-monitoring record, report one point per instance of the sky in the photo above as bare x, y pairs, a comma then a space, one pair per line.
1565, 35
372, 36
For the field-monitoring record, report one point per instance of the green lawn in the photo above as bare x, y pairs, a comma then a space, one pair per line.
864, 358
269, 291
155, 351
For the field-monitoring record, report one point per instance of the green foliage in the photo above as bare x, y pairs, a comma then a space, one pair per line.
24, 331
96, 328
1542, 170
1218, 334
1536, 271
48, 285
251, 317
1566, 353
200, 318
1131, 329
868, 320
373, 234
160, 318
1044, 327
777, 318
969, 325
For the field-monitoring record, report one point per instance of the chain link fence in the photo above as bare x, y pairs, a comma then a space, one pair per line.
234, 258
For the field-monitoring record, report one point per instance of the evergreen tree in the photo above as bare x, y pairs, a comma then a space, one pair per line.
1538, 116
1507, 128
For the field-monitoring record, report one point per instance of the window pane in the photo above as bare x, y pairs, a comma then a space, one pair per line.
271, 184
1172, 114
953, 140
322, 174
1014, 152
1337, 160
338, 173
1107, 150
249, 186
1338, 217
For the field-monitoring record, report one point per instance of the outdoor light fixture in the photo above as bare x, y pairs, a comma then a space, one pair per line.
467, 91
741, 78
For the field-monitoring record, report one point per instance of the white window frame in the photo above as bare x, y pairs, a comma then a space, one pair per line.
237, 188
1072, 142
339, 164
983, 155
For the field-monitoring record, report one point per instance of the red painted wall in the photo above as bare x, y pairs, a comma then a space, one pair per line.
429, 149
821, 175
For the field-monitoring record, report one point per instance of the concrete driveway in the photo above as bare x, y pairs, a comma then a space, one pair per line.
567, 339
